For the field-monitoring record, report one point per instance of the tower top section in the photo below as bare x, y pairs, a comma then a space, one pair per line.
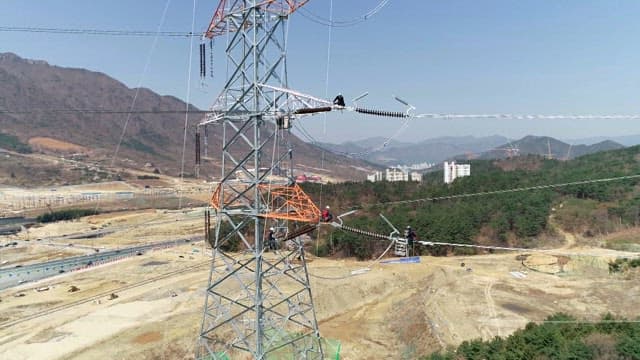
230, 13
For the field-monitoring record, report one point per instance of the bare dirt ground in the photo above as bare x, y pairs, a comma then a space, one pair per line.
392, 311
397, 311
41, 182
55, 145
105, 231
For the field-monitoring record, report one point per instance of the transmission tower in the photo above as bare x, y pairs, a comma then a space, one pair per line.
258, 304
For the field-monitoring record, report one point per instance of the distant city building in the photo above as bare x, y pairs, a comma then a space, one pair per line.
395, 174
453, 171
415, 176
377, 176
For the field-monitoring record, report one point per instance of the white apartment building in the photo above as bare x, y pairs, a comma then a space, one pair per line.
453, 171
395, 174
377, 176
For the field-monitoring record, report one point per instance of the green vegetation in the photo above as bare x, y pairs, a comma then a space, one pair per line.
624, 243
148, 177
622, 265
227, 243
138, 146
69, 214
510, 218
11, 142
558, 338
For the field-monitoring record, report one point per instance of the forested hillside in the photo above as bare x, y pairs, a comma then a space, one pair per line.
561, 337
515, 218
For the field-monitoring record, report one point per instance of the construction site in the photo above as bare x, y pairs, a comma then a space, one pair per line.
149, 306
157, 266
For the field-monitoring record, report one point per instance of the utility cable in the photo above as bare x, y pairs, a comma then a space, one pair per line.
393, 114
186, 111
527, 116
484, 247
137, 92
324, 119
330, 22
505, 191
100, 32
101, 111
142, 77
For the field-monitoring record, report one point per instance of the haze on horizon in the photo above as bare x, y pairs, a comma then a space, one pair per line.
461, 56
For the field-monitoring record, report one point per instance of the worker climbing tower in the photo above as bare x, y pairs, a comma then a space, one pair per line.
258, 303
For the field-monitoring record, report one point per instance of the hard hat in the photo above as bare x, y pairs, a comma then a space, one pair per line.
328, 207
272, 229
408, 227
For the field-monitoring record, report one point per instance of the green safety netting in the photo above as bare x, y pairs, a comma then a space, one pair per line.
330, 348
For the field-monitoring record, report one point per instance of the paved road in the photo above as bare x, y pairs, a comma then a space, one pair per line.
13, 225
10, 277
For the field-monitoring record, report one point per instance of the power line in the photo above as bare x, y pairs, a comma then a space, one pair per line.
517, 249
528, 116
101, 111
513, 190
343, 23
186, 110
100, 32
484, 247
373, 113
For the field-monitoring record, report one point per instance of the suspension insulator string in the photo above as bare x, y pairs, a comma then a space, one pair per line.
211, 57
198, 148
203, 64
395, 114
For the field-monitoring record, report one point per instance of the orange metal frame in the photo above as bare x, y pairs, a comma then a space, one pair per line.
284, 202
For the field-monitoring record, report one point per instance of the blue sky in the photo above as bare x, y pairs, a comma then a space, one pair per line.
453, 56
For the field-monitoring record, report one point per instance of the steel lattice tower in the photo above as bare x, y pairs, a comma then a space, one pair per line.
258, 304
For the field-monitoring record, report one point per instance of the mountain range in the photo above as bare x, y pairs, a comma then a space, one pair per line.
430, 150
548, 147
45, 108
466, 147
626, 140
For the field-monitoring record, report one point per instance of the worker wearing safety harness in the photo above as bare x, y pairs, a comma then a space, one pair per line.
271, 240
411, 236
326, 215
